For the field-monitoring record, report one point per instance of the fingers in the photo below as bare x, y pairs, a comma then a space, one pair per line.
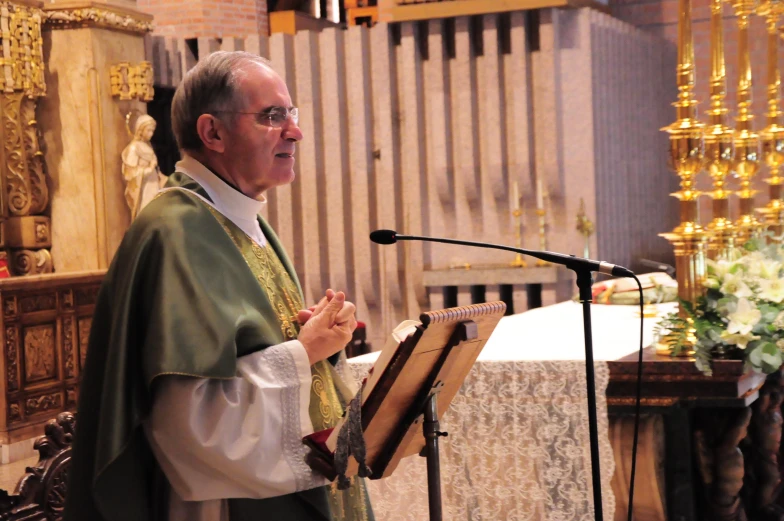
303, 315
347, 329
347, 312
333, 308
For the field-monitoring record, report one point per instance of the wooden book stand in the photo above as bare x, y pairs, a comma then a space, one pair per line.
419, 381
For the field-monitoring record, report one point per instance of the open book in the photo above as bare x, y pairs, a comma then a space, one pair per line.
399, 335
437, 351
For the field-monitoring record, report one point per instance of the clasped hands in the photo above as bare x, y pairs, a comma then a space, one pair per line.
327, 327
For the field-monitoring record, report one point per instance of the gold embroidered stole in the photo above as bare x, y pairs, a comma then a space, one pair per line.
326, 402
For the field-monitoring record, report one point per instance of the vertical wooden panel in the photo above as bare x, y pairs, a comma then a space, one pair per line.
386, 148
412, 152
310, 158
175, 59
161, 58
546, 90
360, 166
207, 46
438, 137
518, 123
546, 127
468, 195
492, 153
333, 233
257, 44
279, 199
600, 102
577, 129
232, 44
187, 57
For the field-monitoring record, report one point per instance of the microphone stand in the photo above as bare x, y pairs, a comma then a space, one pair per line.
583, 268
584, 283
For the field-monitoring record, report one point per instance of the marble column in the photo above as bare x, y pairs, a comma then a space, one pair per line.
84, 127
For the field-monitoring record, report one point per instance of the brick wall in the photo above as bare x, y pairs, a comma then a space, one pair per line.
660, 17
211, 18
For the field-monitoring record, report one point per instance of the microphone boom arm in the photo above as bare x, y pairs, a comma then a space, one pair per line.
570, 261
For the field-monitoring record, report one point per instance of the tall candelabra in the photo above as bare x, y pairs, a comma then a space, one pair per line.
747, 146
719, 148
772, 135
689, 238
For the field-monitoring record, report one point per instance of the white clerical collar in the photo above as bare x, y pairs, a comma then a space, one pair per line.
231, 202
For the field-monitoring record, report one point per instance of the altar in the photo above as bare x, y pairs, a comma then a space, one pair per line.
518, 444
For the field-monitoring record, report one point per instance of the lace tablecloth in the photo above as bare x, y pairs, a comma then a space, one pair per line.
518, 446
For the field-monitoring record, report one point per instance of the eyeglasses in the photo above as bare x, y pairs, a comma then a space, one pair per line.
272, 117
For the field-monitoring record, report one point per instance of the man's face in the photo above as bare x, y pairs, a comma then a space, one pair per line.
260, 156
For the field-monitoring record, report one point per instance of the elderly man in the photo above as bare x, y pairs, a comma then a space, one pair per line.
204, 370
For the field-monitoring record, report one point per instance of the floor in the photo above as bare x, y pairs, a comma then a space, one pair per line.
10, 473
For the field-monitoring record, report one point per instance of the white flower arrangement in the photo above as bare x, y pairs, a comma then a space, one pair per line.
740, 316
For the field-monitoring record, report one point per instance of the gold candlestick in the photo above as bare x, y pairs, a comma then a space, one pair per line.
747, 146
586, 228
541, 212
518, 261
689, 238
772, 135
686, 159
719, 149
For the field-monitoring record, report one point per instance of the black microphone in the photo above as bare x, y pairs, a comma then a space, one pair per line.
570, 261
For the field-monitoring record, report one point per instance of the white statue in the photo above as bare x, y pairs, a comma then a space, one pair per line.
140, 166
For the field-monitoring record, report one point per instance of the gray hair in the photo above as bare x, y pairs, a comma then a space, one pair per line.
209, 87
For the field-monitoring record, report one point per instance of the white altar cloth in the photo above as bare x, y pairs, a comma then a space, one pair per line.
518, 446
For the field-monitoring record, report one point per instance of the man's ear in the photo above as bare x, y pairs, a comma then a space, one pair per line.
212, 132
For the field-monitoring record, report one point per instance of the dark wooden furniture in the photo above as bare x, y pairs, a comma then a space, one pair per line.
40, 493
45, 321
709, 446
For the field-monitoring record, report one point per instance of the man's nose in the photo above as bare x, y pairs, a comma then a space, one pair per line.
291, 131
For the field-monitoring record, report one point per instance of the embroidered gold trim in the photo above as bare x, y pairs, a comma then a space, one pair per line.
326, 406
97, 17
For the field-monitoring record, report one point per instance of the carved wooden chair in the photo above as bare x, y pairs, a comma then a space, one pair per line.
40, 493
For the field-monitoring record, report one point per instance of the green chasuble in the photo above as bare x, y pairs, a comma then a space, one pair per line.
187, 294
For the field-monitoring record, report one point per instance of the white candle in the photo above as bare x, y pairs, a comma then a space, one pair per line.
539, 194
515, 196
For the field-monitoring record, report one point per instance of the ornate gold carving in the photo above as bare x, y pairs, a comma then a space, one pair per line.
10, 306
39, 349
47, 402
92, 16
11, 350
68, 347
29, 262
13, 413
16, 177
130, 81
21, 64
29, 231
33, 303
39, 192
70, 396
84, 337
